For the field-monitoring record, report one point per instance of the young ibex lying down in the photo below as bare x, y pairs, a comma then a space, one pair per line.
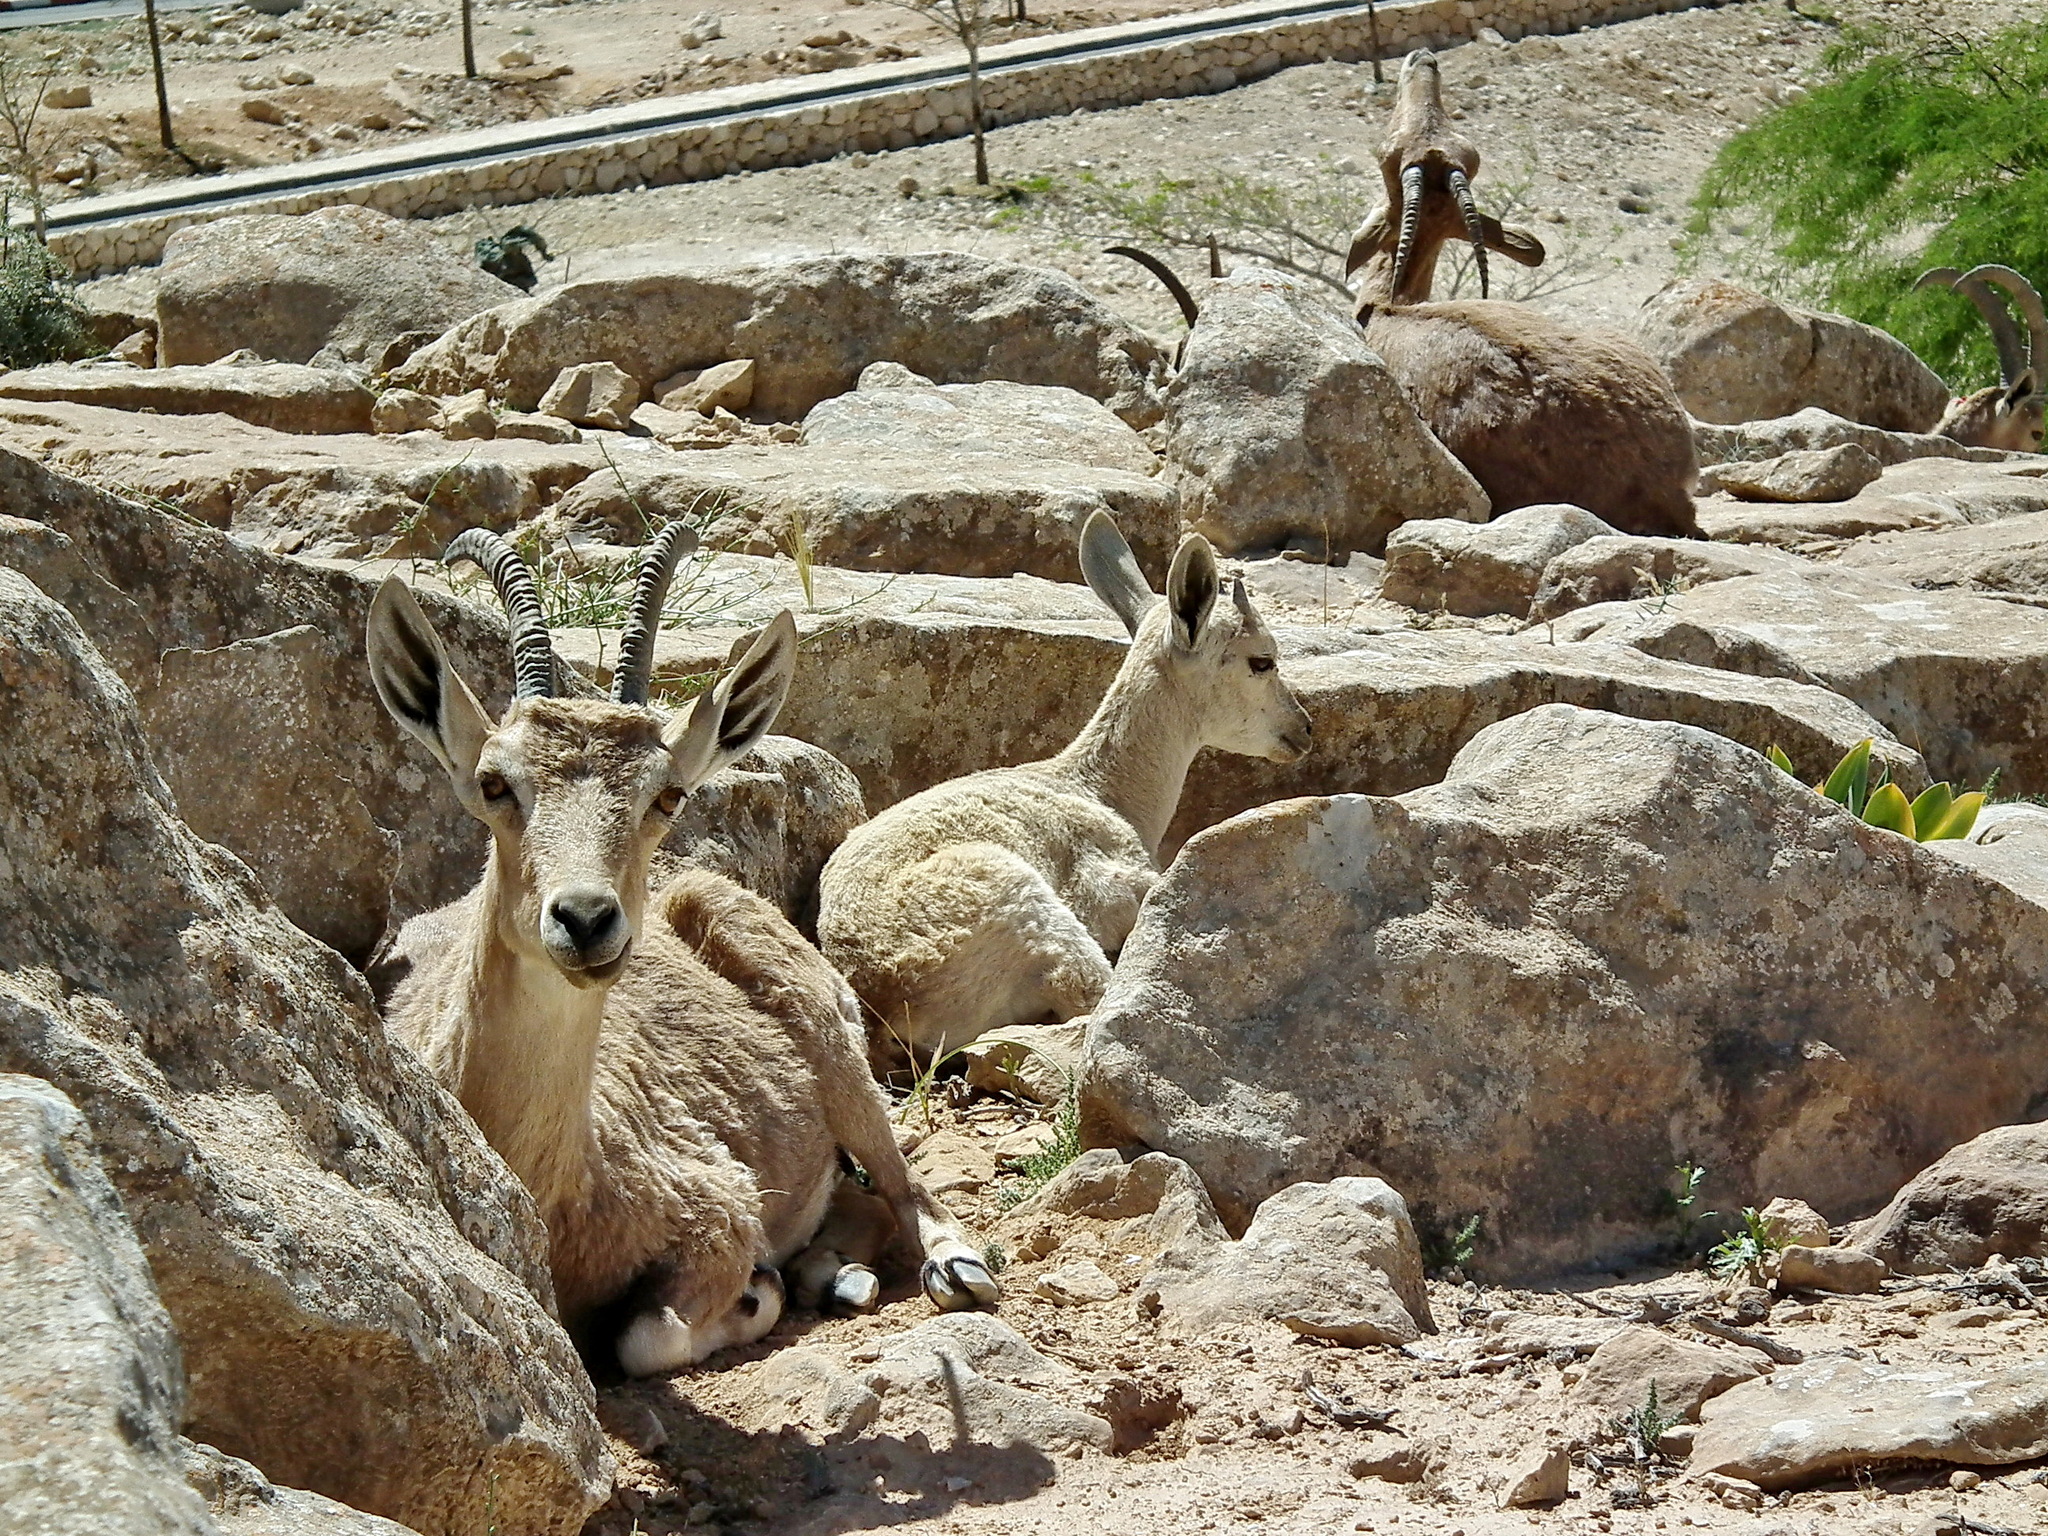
1539, 411
999, 898
675, 1085
2007, 414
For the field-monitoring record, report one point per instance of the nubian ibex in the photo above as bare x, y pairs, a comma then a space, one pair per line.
1537, 410
1000, 898
673, 1075
2007, 414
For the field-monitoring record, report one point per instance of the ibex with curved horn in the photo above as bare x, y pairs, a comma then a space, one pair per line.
2007, 414
1539, 411
674, 1084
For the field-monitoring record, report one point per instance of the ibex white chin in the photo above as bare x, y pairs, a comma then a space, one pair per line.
674, 1085
999, 898
2007, 414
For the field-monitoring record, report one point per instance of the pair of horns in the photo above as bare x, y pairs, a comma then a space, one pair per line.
533, 656
2016, 353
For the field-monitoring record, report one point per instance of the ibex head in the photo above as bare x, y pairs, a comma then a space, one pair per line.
577, 793
1220, 664
1428, 169
2007, 414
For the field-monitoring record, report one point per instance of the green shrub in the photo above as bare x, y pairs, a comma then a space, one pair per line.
1918, 148
40, 318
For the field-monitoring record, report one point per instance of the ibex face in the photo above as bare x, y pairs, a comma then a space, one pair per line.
2007, 414
577, 793
1428, 170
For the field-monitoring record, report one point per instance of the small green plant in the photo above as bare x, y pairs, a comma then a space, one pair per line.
1037, 1169
1451, 1247
1685, 1219
1746, 1253
1937, 813
996, 1257
1643, 1425
40, 318
924, 1079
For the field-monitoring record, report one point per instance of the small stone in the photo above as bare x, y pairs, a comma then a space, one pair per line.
890, 376
68, 98
1963, 1480
1080, 1283
728, 384
296, 76
1394, 1461
592, 395
907, 187
516, 58
1732, 1491
1846, 1271
261, 109
1805, 474
468, 416
1676, 1442
541, 429
139, 350
256, 82
1794, 1221
1541, 1477
404, 410
373, 122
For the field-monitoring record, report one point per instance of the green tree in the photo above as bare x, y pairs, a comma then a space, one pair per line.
1918, 148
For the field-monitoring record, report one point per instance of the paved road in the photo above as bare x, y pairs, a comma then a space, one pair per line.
26, 13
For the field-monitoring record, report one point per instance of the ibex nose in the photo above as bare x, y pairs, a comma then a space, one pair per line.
583, 925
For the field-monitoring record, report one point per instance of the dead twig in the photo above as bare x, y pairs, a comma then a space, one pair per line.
1784, 1354
1347, 1415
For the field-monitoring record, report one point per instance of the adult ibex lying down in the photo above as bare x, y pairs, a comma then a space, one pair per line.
674, 1084
1539, 411
2007, 414
1000, 897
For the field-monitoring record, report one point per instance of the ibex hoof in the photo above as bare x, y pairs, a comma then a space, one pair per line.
959, 1284
855, 1289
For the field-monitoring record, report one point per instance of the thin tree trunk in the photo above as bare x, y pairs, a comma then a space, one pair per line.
468, 44
156, 64
974, 113
1372, 20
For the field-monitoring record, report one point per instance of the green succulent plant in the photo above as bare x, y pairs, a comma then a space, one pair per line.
1937, 812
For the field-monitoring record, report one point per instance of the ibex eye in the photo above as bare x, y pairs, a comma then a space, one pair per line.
670, 800
1262, 663
492, 786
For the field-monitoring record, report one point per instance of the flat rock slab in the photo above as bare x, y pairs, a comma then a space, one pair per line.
1624, 567
1516, 991
999, 418
1921, 493
285, 397
1809, 1422
2007, 558
1963, 678
1803, 475
1816, 428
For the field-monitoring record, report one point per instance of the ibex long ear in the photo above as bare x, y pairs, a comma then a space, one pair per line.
1111, 570
1370, 240
1191, 588
2019, 391
1518, 245
729, 719
423, 692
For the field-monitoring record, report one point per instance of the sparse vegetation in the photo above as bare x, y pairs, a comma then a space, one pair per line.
1746, 1253
1685, 1220
1643, 1425
40, 317
1938, 812
1920, 147
1037, 1169
1449, 1246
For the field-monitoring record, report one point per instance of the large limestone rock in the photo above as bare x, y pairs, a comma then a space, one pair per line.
1988, 1196
1625, 567
811, 325
285, 397
1437, 564
1814, 429
1805, 1423
2007, 558
1921, 493
360, 1286
1617, 1379
1736, 356
1599, 947
1805, 474
958, 512
1282, 425
1963, 678
996, 418
345, 279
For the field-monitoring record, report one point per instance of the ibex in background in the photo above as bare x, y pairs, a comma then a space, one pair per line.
674, 1086
1537, 410
1000, 897
2007, 414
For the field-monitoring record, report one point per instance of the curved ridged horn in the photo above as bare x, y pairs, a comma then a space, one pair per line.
1215, 258
1475, 231
1411, 216
635, 669
533, 658
2005, 336
2029, 301
1165, 274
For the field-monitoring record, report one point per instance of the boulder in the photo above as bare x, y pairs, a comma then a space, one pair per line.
359, 1284
722, 386
961, 512
404, 410
243, 1502
1964, 678
1618, 1376
1831, 1416
1920, 493
1986, 1197
1337, 1261
345, 279
1033, 1061
1541, 1477
1283, 426
1626, 567
1794, 1221
1805, 474
1842, 1271
1439, 564
1598, 945
997, 419
812, 325
468, 418
285, 397
590, 395
1078, 1284
1736, 356
1814, 429
1154, 1201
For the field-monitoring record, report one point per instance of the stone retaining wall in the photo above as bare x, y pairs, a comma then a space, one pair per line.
887, 113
